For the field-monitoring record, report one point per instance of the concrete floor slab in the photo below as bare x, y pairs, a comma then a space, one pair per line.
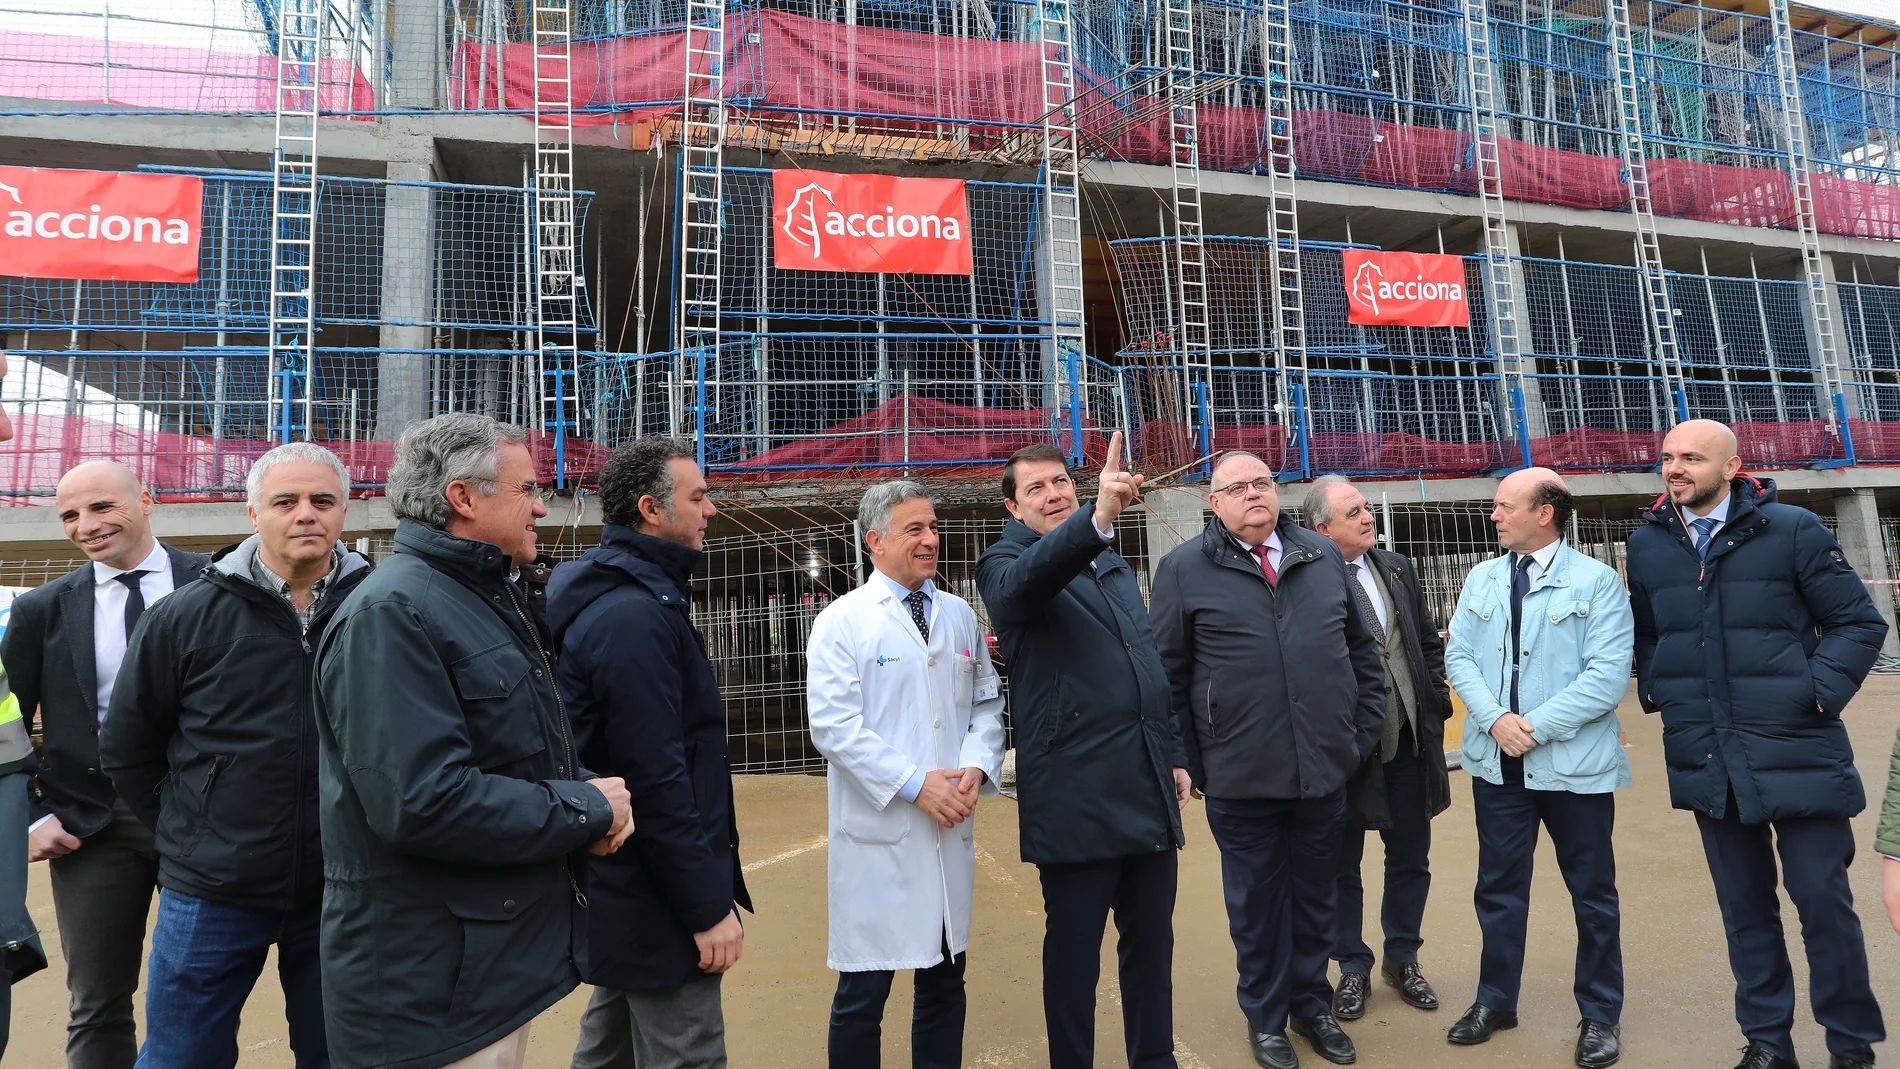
1679, 1011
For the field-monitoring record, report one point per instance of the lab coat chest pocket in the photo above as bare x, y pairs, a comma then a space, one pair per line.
965, 681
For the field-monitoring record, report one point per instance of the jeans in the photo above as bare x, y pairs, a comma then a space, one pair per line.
206, 957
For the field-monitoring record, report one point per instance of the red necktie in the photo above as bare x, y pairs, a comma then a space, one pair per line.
1266, 567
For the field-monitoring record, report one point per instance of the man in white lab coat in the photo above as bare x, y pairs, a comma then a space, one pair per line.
905, 706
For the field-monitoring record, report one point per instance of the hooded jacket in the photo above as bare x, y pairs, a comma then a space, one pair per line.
211, 736
645, 706
1751, 656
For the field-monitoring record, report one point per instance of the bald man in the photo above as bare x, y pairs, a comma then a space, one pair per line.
1752, 635
1540, 652
62, 651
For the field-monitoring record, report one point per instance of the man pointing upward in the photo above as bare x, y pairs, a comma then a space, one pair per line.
1100, 772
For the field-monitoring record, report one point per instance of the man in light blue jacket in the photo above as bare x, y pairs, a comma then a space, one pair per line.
1540, 653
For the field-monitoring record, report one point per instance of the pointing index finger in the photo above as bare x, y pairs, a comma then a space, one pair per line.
1114, 461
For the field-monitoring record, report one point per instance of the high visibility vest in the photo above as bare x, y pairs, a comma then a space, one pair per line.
14, 743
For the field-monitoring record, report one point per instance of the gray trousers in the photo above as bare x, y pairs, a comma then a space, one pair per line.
662, 1028
102, 895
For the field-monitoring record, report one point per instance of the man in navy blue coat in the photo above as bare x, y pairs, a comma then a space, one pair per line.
662, 924
1752, 634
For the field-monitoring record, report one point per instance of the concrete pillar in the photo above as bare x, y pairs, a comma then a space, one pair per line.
1536, 421
1174, 515
414, 30
1866, 549
1843, 347
408, 290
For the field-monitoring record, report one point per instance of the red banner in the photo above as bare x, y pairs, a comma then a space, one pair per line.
1405, 289
99, 225
869, 223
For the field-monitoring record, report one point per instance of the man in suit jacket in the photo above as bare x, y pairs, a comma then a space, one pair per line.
62, 652
1403, 786
1100, 772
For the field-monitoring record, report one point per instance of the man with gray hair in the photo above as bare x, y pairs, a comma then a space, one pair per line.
908, 711
1402, 785
211, 739
450, 798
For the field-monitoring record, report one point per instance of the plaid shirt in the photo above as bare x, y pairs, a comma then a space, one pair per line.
270, 580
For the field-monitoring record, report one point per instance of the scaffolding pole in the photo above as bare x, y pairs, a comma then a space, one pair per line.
556, 245
293, 246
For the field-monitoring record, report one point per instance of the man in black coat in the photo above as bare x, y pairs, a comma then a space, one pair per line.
1403, 786
662, 926
451, 802
1280, 694
63, 649
1100, 773
212, 740
1752, 634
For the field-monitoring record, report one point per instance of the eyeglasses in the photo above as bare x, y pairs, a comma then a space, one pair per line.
535, 491
1264, 484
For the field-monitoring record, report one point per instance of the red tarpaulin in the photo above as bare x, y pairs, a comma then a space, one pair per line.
135, 74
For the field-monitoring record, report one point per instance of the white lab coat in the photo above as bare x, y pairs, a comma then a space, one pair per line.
883, 704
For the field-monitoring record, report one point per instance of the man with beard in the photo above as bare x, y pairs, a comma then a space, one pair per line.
1752, 635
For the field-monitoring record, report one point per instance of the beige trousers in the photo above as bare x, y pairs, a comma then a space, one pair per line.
510, 1052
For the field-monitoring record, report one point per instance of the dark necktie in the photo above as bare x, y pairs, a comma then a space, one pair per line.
1366, 608
1520, 585
134, 600
1704, 533
916, 603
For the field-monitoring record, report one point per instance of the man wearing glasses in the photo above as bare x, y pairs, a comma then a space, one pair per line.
1280, 695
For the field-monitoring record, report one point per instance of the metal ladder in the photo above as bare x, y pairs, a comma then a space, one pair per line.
556, 256
1629, 117
1289, 309
1190, 254
1062, 209
293, 245
1500, 282
702, 191
1813, 268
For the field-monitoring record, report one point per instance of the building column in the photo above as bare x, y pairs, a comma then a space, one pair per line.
408, 289
1173, 516
1536, 421
414, 30
1861, 539
1844, 351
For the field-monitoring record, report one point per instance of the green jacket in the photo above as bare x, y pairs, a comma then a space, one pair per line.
1887, 838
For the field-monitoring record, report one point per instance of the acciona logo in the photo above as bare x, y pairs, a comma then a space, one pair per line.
807, 222
870, 223
1370, 286
107, 225
90, 225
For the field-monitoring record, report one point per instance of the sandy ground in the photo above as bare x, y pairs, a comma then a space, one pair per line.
1679, 1009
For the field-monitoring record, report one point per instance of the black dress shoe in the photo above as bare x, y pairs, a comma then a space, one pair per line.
1478, 1023
1598, 1044
1410, 980
1858, 1060
1272, 1050
1349, 1000
1757, 1057
1328, 1039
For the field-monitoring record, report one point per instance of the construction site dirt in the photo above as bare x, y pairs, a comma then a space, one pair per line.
1679, 1010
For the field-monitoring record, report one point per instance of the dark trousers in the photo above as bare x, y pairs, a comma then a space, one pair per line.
1408, 870
1580, 826
1279, 868
1076, 900
681, 1027
206, 958
1815, 854
102, 895
936, 1022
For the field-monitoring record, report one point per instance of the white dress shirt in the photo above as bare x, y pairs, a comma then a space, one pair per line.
1273, 549
1541, 560
1719, 514
1363, 572
108, 613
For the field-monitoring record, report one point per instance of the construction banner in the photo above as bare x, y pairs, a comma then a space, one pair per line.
869, 223
1405, 289
103, 225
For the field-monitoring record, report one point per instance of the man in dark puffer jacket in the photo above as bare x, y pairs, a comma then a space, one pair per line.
1752, 633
